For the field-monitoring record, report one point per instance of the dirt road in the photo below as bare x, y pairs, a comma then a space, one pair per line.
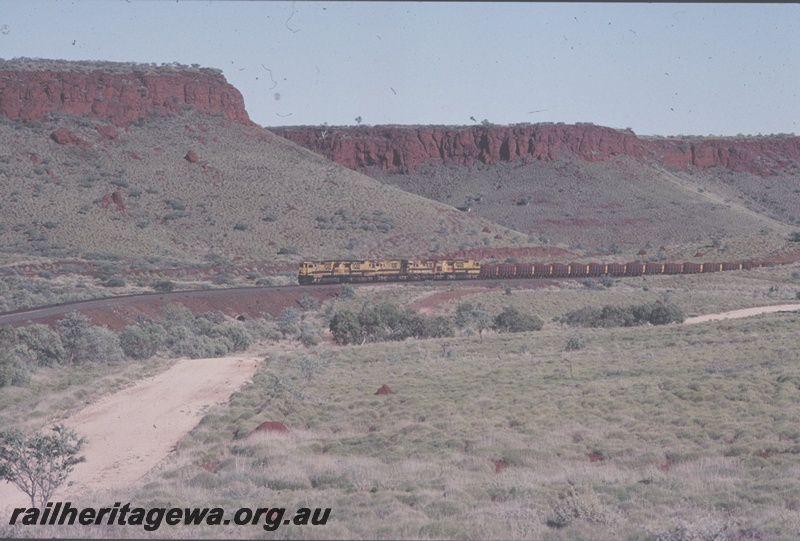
746, 312
131, 431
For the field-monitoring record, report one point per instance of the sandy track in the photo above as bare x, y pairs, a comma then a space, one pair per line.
131, 431
746, 312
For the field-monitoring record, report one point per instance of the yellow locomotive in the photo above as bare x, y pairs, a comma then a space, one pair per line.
344, 271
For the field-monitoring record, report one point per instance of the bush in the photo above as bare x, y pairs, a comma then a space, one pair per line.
240, 227
163, 286
347, 291
182, 341
308, 303
575, 343
624, 316
287, 250
13, 370
239, 337
289, 321
103, 345
511, 320
386, 322
795, 236
142, 342
574, 506
308, 339
590, 283
84, 343
42, 344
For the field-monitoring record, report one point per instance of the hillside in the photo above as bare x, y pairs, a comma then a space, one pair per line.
587, 186
162, 164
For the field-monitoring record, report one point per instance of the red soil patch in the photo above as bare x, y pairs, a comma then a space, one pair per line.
385, 390
499, 465
767, 454
596, 457
429, 304
271, 427
119, 312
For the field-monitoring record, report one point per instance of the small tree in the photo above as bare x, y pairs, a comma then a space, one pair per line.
73, 331
346, 329
40, 463
471, 316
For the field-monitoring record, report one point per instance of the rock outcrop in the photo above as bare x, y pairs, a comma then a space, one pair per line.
118, 93
399, 150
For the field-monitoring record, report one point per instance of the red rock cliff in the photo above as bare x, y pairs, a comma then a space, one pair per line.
403, 149
119, 93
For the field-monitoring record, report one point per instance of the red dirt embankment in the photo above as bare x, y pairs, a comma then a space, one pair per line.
118, 312
399, 150
114, 94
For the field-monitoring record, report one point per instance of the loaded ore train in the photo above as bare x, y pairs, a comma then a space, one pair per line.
343, 271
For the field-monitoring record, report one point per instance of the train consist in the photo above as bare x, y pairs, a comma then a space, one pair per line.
328, 272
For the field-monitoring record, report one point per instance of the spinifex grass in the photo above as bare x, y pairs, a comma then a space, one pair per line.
645, 430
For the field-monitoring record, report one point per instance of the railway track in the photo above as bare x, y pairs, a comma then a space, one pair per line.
119, 311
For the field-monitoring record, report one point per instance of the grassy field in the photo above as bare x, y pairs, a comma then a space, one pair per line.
664, 433
641, 431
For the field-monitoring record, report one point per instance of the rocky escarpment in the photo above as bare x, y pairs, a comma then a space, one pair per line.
117, 92
398, 150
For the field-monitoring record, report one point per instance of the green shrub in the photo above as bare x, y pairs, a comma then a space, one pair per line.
624, 316
142, 342
239, 336
386, 322
43, 344
163, 286
289, 321
347, 291
175, 204
13, 370
85, 343
574, 343
308, 303
511, 320
469, 317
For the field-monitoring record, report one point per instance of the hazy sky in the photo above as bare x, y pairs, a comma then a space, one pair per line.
660, 69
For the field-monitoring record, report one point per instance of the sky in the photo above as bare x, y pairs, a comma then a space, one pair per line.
659, 69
